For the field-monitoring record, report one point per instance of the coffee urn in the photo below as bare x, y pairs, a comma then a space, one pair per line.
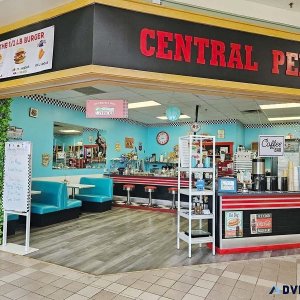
258, 175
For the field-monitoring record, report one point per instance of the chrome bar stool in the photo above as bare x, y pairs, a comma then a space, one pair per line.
128, 188
173, 191
150, 189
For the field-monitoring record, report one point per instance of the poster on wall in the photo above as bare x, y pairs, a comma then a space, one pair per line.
233, 224
129, 142
105, 109
271, 145
26, 54
261, 223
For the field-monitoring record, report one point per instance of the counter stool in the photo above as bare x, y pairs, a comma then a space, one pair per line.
128, 188
150, 189
173, 191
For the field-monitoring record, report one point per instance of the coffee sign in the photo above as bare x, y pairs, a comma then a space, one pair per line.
271, 145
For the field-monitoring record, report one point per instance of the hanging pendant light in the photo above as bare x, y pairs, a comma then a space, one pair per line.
173, 113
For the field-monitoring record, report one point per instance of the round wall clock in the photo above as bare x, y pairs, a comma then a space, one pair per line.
162, 138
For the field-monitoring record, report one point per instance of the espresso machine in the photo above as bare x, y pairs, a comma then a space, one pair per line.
258, 175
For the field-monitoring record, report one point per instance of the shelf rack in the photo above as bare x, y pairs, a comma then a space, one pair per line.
190, 157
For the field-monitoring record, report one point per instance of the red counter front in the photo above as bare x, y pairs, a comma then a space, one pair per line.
277, 214
162, 184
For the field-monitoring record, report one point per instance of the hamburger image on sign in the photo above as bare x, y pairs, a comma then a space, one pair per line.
20, 56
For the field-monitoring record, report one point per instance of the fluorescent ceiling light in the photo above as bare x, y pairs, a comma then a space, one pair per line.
143, 104
181, 117
69, 131
277, 106
284, 118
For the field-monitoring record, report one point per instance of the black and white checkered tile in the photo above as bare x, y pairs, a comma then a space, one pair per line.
210, 122
132, 122
270, 125
59, 103
51, 101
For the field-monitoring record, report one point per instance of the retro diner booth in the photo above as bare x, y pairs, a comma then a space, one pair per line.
186, 53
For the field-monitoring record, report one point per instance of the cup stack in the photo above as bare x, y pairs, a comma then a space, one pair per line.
290, 176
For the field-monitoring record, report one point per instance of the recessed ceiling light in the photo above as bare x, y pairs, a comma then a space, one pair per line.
284, 118
69, 131
143, 104
278, 106
181, 117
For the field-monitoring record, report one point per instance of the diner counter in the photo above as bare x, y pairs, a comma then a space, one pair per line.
257, 221
140, 181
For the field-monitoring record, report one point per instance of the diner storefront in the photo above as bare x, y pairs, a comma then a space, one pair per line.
95, 45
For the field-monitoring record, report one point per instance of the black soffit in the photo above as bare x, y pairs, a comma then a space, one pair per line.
140, 41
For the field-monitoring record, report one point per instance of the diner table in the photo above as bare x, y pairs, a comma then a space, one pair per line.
35, 192
74, 186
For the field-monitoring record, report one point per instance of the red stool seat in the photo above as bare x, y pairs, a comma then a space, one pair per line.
172, 189
150, 187
128, 186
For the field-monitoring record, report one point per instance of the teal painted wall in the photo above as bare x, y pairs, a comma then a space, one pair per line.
253, 133
231, 134
40, 132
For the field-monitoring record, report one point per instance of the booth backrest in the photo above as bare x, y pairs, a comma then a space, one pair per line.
103, 186
52, 193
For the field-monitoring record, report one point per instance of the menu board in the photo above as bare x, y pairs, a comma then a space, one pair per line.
17, 177
233, 224
26, 54
261, 223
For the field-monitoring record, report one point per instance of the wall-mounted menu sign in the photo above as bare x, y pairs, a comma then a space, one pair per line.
106, 109
271, 145
26, 54
261, 223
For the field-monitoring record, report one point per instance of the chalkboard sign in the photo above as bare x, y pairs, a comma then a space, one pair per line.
17, 177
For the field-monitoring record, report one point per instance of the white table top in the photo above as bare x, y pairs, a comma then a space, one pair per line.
35, 192
79, 186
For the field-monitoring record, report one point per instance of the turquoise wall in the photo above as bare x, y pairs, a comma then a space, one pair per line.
231, 135
253, 133
40, 132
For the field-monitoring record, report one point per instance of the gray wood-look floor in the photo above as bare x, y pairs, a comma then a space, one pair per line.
120, 240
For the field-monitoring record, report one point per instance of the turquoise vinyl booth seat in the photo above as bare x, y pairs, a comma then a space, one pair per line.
52, 205
98, 198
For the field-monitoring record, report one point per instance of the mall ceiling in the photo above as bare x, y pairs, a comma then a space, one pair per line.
212, 107
14, 10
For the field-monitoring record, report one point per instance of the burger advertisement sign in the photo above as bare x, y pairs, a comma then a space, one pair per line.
26, 54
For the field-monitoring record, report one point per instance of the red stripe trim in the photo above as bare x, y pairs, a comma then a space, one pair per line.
165, 210
256, 248
266, 196
262, 201
149, 181
261, 206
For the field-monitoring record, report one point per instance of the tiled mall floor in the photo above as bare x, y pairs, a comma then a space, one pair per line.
27, 278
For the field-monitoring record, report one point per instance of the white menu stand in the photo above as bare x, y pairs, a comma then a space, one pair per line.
17, 191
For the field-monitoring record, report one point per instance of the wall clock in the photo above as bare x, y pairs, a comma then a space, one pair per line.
162, 138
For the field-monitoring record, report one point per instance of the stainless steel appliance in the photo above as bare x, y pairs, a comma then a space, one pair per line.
258, 175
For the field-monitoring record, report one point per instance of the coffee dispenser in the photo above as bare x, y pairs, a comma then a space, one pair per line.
258, 175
